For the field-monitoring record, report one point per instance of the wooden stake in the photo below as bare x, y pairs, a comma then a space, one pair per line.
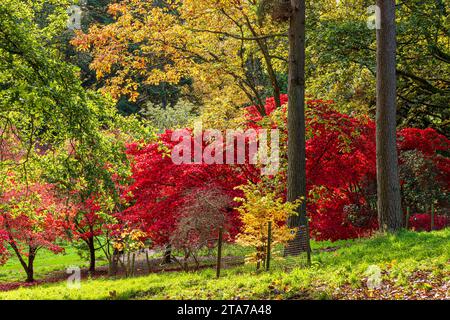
408, 213
269, 244
432, 216
219, 252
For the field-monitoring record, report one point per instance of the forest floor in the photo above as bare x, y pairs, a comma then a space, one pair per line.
408, 265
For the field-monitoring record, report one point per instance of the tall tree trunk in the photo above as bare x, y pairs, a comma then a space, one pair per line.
91, 246
296, 184
388, 186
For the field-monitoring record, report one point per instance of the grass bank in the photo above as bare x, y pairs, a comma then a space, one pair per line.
400, 257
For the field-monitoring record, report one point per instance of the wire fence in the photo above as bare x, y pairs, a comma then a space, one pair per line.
213, 254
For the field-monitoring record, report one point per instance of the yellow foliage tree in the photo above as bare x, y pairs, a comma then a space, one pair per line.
128, 243
220, 45
256, 210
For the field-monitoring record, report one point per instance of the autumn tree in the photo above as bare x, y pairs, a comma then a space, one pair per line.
205, 211
389, 199
258, 208
295, 12
230, 50
339, 39
32, 217
163, 193
49, 122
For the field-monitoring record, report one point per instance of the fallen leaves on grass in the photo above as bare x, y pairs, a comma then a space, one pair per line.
422, 285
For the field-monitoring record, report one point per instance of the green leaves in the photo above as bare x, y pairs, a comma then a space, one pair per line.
51, 125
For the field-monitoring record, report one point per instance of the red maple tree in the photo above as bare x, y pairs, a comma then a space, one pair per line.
32, 217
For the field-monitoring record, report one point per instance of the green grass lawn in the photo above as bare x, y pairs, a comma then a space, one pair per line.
45, 263
399, 256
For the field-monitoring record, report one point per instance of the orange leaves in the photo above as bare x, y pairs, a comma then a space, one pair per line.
116, 9
139, 44
81, 41
199, 42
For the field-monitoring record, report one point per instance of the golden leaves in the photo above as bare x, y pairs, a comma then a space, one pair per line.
256, 210
207, 41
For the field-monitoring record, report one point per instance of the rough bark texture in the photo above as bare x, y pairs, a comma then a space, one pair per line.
389, 199
296, 184
30, 268
91, 246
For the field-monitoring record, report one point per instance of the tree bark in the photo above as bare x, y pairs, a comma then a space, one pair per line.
296, 175
388, 186
27, 267
30, 267
91, 246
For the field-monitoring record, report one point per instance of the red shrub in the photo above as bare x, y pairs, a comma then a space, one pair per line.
341, 173
161, 187
422, 222
341, 167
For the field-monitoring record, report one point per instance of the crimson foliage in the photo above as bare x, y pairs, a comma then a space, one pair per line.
32, 218
422, 222
161, 188
341, 174
341, 168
